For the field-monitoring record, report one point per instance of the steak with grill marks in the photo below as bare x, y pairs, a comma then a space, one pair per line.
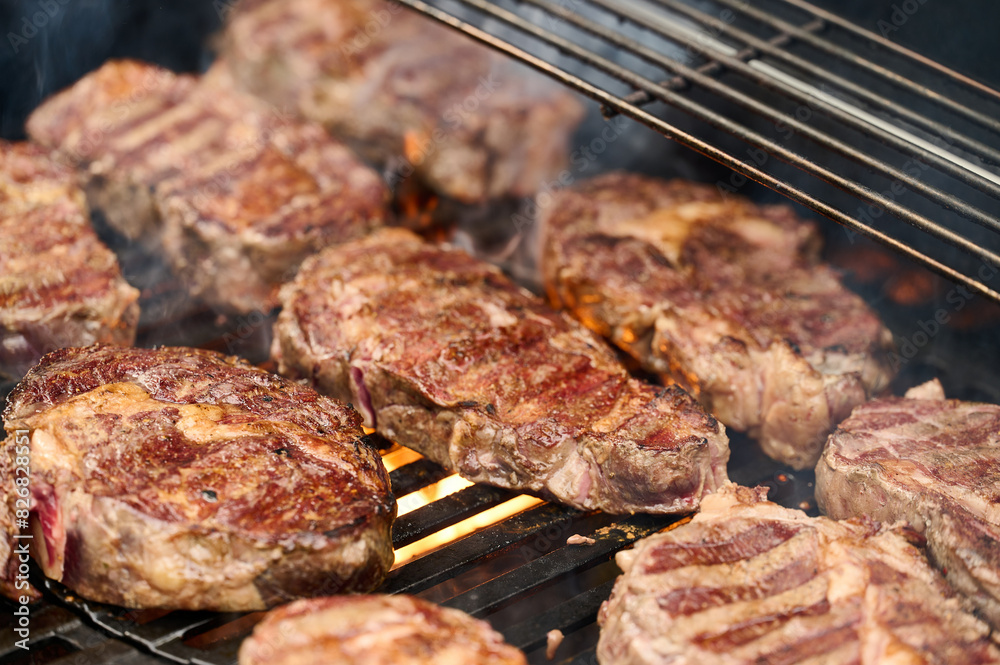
181, 478
59, 285
374, 630
934, 463
235, 192
470, 123
726, 298
747, 581
444, 354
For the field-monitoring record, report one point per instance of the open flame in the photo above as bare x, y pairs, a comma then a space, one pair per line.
398, 456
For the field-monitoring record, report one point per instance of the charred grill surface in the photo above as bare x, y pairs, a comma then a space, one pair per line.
59, 285
934, 463
471, 124
726, 298
444, 354
181, 478
747, 581
234, 191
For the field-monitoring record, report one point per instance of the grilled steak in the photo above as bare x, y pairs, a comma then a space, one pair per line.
374, 630
237, 193
444, 354
747, 581
59, 285
934, 463
181, 478
471, 124
726, 298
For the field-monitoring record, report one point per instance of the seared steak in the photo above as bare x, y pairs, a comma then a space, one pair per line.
934, 463
181, 478
374, 630
237, 193
59, 285
726, 298
470, 123
444, 354
747, 581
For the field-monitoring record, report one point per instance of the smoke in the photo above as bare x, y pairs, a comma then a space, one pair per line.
45, 45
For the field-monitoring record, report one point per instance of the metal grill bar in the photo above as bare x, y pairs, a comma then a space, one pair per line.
863, 63
567, 616
824, 140
569, 558
445, 512
772, 49
893, 46
942, 212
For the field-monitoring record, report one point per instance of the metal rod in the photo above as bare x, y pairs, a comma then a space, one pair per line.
861, 63
685, 138
743, 133
824, 140
770, 48
893, 46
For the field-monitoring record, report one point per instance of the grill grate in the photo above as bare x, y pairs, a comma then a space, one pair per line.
517, 573
837, 118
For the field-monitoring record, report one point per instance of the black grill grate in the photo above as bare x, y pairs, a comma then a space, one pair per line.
833, 116
517, 573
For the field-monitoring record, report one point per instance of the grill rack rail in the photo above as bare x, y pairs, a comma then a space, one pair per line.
743, 75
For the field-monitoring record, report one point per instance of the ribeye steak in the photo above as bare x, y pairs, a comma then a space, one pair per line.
444, 354
748, 581
934, 463
236, 193
374, 630
181, 478
59, 285
724, 297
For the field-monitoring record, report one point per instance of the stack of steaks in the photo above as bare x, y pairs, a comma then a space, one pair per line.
59, 285
234, 192
722, 297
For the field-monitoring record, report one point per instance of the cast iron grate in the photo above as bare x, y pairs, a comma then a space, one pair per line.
831, 115
517, 573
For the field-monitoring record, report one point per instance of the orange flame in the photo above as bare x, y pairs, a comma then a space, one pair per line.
398, 456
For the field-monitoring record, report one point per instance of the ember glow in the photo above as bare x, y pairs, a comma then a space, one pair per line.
398, 456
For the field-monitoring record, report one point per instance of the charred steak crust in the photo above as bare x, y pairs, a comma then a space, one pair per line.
470, 124
184, 479
374, 630
726, 298
59, 285
747, 581
235, 193
444, 354
934, 463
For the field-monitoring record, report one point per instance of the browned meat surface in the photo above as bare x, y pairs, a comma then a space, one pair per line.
934, 463
236, 193
747, 581
470, 124
444, 354
181, 478
726, 298
374, 630
59, 285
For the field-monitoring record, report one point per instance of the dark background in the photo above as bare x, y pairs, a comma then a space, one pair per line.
81, 34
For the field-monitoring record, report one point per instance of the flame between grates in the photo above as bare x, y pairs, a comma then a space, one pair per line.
518, 573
